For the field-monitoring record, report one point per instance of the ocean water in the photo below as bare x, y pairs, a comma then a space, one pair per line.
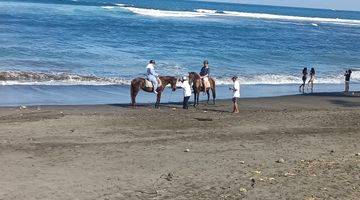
87, 51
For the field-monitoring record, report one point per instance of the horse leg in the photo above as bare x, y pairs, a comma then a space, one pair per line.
213, 94
195, 98
133, 92
208, 95
158, 97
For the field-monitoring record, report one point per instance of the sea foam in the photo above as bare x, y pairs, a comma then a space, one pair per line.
214, 13
39, 78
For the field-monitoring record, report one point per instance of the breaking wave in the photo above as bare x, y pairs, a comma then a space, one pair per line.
215, 13
37, 78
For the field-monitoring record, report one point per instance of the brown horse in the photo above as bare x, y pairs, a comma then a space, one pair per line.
198, 87
139, 83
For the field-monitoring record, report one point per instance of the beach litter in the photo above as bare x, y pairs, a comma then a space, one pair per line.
243, 190
242, 162
280, 160
357, 154
169, 176
252, 182
289, 174
203, 119
22, 107
186, 150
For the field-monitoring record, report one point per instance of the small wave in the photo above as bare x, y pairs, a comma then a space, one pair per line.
215, 13
108, 7
206, 11
274, 79
164, 13
36, 78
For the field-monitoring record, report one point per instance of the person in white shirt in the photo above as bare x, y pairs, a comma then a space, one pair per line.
236, 93
187, 92
152, 75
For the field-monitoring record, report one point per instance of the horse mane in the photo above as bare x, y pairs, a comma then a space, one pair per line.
196, 75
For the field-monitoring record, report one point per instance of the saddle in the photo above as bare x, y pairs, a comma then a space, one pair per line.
149, 84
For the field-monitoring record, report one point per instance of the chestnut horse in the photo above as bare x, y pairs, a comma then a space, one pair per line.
198, 86
139, 83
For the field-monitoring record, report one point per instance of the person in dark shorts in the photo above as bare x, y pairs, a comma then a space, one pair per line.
347, 80
304, 77
187, 92
236, 93
311, 81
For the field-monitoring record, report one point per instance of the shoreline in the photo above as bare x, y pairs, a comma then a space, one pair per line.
352, 94
99, 95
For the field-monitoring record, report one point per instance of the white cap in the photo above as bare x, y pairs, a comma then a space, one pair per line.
184, 78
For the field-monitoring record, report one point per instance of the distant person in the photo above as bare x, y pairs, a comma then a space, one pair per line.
187, 92
236, 93
304, 77
204, 74
152, 75
311, 81
347, 80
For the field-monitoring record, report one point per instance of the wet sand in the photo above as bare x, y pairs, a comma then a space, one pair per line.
292, 147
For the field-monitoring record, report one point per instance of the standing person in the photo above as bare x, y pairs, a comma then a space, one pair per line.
204, 74
304, 77
187, 92
152, 75
312, 78
347, 80
236, 93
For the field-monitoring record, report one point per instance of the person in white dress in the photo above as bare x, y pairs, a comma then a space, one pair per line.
236, 93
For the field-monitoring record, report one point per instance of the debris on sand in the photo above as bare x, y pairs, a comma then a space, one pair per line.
357, 154
252, 182
242, 162
169, 176
257, 172
186, 150
203, 119
289, 174
22, 107
332, 151
243, 190
280, 160
173, 108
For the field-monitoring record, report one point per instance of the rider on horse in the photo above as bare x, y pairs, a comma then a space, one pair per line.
152, 75
204, 74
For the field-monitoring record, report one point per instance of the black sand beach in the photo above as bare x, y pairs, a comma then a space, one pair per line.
291, 147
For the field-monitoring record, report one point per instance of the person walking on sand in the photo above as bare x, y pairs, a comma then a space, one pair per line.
236, 93
304, 77
347, 80
152, 76
311, 81
187, 92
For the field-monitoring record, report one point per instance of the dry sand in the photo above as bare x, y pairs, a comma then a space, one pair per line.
115, 152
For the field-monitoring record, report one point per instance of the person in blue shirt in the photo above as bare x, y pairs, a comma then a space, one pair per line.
205, 70
152, 75
204, 74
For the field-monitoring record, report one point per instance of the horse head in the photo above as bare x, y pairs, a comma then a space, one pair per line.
173, 81
193, 76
